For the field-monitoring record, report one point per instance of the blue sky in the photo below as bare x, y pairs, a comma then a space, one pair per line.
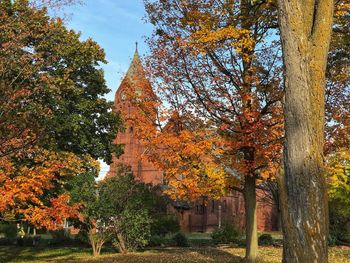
116, 25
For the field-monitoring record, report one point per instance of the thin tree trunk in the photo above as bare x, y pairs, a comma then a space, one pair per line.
251, 223
99, 247
95, 245
121, 244
94, 251
305, 31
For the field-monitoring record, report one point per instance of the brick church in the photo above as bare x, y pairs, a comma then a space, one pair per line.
202, 215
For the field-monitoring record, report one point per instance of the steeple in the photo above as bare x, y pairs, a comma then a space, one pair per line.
134, 82
136, 71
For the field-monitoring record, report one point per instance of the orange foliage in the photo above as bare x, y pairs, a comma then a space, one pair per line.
33, 188
51, 216
218, 62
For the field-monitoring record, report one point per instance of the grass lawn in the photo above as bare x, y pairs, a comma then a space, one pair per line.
164, 255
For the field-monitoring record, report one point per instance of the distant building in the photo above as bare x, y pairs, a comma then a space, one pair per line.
203, 215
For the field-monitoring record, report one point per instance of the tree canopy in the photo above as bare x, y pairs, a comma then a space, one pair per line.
54, 121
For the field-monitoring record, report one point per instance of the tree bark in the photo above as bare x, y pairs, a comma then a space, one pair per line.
121, 244
305, 32
96, 244
251, 222
94, 250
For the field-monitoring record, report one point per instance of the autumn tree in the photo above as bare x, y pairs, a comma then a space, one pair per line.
338, 82
305, 32
338, 165
187, 151
219, 61
338, 171
53, 115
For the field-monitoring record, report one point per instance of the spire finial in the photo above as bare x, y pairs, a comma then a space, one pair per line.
136, 44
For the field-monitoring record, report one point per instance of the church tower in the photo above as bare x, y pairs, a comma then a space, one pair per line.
134, 85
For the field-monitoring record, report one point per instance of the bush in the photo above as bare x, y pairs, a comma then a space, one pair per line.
132, 230
59, 234
28, 241
165, 224
7, 241
339, 234
59, 237
82, 237
265, 240
9, 230
180, 240
155, 241
228, 233
339, 226
198, 242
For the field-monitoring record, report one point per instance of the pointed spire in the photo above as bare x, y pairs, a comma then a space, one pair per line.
135, 68
136, 77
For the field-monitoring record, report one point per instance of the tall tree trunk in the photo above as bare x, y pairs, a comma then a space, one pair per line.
251, 223
305, 32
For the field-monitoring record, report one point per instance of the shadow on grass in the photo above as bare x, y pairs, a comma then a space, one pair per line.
157, 255
172, 255
35, 254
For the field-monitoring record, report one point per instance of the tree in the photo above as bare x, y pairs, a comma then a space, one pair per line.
338, 82
338, 165
123, 202
218, 60
83, 190
305, 32
116, 209
33, 188
338, 179
52, 114
338, 125
51, 87
186, 150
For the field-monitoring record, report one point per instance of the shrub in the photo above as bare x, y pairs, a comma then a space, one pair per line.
156, 241
29, 241
9, 230
198, 242
180, 240
132, 230
82, 237
59, 237
339, 233
7, 241
339, 226
59, 234
165, 224
265, 240
228, 233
